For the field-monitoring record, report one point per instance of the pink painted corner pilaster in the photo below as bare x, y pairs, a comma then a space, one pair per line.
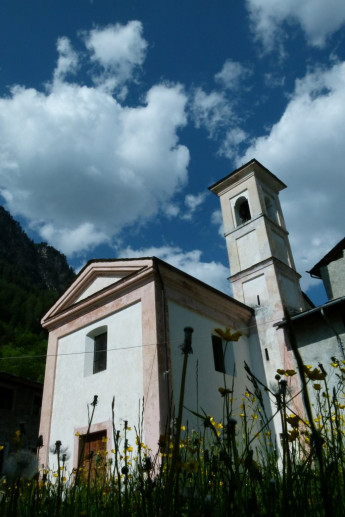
48, 396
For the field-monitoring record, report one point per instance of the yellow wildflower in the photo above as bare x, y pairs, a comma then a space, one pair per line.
314, 375
191, 466
290, 373
293, 420
224, 391
292, 435
227, 336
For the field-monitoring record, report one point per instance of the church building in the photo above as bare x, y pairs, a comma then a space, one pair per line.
117, 331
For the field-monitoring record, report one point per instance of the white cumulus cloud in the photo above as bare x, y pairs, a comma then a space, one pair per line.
317, 18
79, 165
211, 110
217, 111
119, 50
305, 148
212, 273
67, 61
232, 74
192, 202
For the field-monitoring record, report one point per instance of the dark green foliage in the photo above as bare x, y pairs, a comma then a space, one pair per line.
32, 277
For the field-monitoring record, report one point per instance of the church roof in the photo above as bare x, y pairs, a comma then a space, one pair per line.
101, 279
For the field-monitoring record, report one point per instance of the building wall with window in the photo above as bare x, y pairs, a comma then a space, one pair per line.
208, 367
77, 382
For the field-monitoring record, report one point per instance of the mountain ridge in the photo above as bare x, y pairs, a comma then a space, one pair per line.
32, 276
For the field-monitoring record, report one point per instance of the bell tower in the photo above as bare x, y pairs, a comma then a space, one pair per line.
262, 268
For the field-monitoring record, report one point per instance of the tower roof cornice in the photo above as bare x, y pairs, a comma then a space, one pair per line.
251, 167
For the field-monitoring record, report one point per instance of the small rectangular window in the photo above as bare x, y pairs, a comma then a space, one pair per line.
100, 353
218, 354
224, 356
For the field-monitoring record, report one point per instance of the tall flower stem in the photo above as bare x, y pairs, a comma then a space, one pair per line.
186, 350
81, 452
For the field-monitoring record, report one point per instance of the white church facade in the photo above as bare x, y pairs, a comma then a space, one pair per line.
117, 331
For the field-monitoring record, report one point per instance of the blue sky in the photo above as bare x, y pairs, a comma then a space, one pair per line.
115, 117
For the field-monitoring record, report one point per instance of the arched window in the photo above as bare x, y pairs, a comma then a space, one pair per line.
242, 210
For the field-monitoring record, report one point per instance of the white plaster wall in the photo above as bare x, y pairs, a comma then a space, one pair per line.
123, 378
333, 276
279, 248
248, 249
317, 343
98, 284
201, 369
254, 288
291, 295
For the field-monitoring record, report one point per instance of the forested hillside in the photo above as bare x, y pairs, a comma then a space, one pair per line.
32, 276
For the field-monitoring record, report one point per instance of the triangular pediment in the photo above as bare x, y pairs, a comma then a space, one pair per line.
97, 276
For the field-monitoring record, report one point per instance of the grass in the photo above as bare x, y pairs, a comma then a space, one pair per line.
231, 467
